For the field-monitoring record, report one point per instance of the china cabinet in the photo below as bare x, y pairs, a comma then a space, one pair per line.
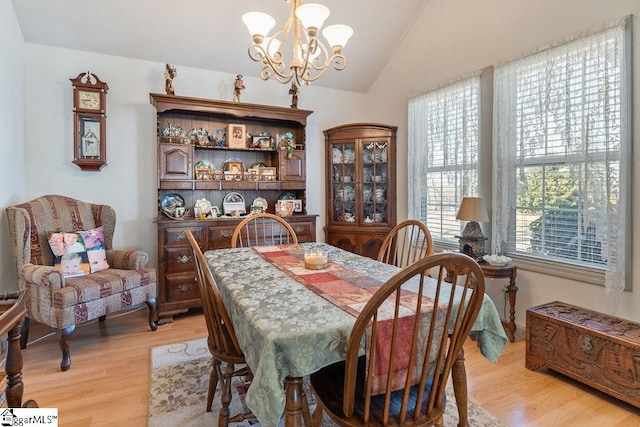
361, 175
199, 173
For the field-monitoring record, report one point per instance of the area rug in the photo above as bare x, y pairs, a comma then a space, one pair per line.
180, 380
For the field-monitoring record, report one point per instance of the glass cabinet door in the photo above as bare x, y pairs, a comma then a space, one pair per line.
374, 181
343, 182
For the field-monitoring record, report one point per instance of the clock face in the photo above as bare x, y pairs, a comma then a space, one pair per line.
89, 100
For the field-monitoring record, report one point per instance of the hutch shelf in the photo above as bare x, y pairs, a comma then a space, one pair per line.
181, 158
361, 174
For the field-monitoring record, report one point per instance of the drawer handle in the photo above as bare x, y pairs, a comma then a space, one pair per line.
298, 228
184, 259
588, 344
226, 233
181, 236
185, 287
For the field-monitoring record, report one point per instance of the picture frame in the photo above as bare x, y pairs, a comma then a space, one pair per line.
268, 173
284, 208
262, 142
253, 174
203, 174
297, 205
236, 135
234, 167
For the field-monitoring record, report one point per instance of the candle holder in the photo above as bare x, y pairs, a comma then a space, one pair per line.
315, 258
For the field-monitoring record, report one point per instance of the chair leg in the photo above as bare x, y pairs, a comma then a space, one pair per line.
306, 414
24, 333
213, 383
64, 335
225, 386
153, 313
13, 369
316, 418
102, 318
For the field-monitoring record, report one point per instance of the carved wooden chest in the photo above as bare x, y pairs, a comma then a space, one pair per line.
596, 349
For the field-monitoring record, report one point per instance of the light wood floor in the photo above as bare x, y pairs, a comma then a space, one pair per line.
108, 382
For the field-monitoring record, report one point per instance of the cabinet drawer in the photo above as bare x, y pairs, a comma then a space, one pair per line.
177, 235
176, 185
239, 185
220, 236
293, 185
182, 287
178, 259
208, 185
303, 230
269, 185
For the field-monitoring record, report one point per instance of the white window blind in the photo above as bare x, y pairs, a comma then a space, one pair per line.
561, 145
443, 155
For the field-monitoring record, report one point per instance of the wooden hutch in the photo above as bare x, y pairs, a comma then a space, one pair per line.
179, 156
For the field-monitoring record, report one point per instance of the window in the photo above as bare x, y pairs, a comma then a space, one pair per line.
443, 155
561, 150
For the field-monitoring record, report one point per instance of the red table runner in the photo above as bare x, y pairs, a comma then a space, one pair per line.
351, 290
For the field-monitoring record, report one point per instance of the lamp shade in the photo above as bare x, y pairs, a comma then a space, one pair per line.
258, 23
337, 34
312, 15
472, 209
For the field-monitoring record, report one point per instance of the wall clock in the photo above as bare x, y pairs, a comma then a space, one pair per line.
89, 122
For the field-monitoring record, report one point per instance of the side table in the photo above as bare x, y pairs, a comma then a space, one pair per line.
507, 271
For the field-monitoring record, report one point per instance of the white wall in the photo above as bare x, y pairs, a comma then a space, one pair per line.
454, 38
128, 182
12, 144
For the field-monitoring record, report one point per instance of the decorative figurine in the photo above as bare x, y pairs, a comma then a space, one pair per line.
238, 85
169, 74
291, 145
294, 95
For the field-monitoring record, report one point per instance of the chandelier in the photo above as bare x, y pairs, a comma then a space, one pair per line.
310, 57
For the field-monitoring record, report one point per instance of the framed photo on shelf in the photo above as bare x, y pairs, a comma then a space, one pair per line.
267, 173
263, 142
297, 205
203, 174
234, 167
284, 208
236, 135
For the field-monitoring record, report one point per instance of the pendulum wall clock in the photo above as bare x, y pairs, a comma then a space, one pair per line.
89, 122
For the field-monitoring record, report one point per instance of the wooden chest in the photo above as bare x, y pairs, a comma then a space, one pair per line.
596, 349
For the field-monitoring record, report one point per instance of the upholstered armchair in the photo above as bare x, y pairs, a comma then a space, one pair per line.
64, 302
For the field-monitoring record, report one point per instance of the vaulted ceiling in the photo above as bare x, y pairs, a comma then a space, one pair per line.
210, 34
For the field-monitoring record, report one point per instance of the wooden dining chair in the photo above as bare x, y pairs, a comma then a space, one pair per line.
222, 340
401, 379
263, 229
406, 243
12, 314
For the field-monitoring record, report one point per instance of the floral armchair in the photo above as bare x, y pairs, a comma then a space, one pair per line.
64, 302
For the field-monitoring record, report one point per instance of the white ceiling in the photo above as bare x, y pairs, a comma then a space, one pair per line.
210, 34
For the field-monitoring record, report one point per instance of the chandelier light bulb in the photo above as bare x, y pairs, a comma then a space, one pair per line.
337, 35
312, 16
259, 24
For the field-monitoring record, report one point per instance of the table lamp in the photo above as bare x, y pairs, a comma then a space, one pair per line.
473, 211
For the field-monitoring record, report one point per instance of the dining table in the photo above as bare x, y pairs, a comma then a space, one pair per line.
289, 324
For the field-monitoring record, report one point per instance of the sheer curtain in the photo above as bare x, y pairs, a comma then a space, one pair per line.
443, 155
561, 154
